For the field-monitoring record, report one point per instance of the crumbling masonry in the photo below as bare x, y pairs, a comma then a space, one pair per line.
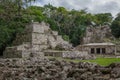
36, 38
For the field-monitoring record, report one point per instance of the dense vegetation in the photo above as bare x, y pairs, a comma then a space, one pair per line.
14, 14
116, 26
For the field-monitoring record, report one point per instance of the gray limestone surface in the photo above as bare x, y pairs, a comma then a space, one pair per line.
52, 69
97, 34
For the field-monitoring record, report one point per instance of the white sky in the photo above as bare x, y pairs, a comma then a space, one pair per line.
93, 6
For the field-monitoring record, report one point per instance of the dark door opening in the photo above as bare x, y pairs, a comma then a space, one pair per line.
103, 50
98, 50
2, 49
92, 50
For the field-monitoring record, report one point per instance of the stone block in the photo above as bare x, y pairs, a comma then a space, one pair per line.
35, 47
26, 54
37, 28
78, 54
43, 47
55, 33
39, 38
59, 39
39, 47
52, 41
23, 47
11, 52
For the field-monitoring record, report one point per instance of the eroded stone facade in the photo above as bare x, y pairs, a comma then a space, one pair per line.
97, 41
97, 34
98, 48
35, 38
70, 54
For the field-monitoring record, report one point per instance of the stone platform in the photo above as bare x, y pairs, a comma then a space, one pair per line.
69, 54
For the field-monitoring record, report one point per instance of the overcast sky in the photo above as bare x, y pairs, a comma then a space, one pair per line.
93, 6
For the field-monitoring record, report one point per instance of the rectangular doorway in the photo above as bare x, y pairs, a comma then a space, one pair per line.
98, 50
103, 51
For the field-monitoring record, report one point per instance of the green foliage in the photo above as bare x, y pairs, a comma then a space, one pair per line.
52, 23
116, 26
11, 22
66, 38
100, 61
36, 14
102, 18
104, 61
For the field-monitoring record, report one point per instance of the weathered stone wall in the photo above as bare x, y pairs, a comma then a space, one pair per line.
54, 53
118, 49
97, 34
22, 38
108, 49
40, 39
52, 41
32, 39
70, 54
12, 52
78, 55
98, 48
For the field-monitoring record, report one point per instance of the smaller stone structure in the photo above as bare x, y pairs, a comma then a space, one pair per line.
98, 48
97, 41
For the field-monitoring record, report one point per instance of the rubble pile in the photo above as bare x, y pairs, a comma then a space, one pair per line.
52, 69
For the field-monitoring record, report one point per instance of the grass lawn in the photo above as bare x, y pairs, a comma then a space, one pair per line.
104, 61
100, 61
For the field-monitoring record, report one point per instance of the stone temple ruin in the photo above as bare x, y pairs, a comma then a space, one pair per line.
98, 48
96, 41
38, 40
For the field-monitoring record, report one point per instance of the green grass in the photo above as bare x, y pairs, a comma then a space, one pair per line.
104, 61
100, 61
